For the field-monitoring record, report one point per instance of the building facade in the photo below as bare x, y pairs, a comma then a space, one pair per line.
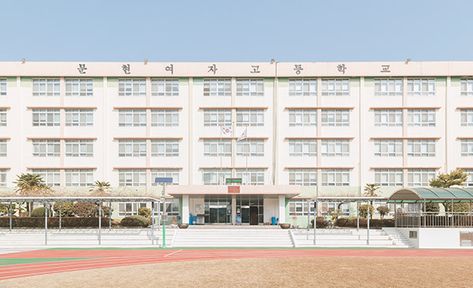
290, 131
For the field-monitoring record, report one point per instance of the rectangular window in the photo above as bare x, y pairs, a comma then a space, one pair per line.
52, 177
3, 87
171, 173
79, 87
79, 148
254, 148
388, 118
46, 148
250, 87
335, 177
165, 118
421, 87
3, 117
79, 117
250, 117
3, 148
46, 117
132, 177
165, 148
132, 148
388, 177
335, 148
388, 87
302, 87
217, 117
129, 208
388, 148
466, 117
420, 177
467, 147
335, 87
46, 87
421, 117
79, 177
215, 148
251, 176
466, 87
302, 117
165, 87
336, 117
421, 148
217, 87
132, 87
469, 180
299, 207
303, 177
3, 178
215, 176
132, 118
303, 148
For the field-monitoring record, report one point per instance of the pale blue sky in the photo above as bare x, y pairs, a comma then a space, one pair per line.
238, 30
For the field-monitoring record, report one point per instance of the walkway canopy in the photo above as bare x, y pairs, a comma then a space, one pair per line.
432, 194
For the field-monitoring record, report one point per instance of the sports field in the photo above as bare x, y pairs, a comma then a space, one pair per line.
236, 268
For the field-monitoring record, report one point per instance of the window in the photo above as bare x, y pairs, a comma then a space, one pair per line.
217, 117
129, 208
335, 148
421, 148
421, 87
335, 87
132, 148
46, 148
46, 87
419, 177
467, 147
303, 177
469, 180
388, 87
171, 173
388, 148
165, 148
79, 87
250, 117
466, 117
3, 148
421, 117
131, 87
46, 117
3, 117
388, 177
335, 117
3, 178
3, 87
217, 87
217, 148
251, 176
302, 87
335, 177
390, 118
250, 148
303, 147
79, 117
79, 148
52, 177
299, 207
79, 177
165, 87
132, 118
165, 118
132, 177
249, 87
302, 117
215, 176
466, 87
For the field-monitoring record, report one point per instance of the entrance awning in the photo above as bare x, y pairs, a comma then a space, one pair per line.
432, 194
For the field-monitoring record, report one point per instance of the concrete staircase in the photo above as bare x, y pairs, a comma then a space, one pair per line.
398, 237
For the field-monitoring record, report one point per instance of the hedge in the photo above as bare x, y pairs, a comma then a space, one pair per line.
53, 222
321, 223
374, 223
135, 221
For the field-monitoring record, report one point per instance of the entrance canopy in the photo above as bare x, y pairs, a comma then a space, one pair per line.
432, 194
48, 199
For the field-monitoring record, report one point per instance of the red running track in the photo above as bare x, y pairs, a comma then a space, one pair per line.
113, 258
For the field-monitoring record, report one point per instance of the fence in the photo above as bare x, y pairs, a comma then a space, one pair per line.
432, 219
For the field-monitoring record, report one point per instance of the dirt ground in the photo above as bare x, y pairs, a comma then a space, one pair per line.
275, 272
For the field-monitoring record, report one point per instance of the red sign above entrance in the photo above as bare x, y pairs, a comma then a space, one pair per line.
233, 189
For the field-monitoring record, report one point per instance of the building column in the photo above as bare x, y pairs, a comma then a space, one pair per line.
185, 209
282, 208
234, 205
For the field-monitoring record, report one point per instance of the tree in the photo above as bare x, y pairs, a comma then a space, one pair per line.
28, 184
456, 177
364, 210
100, 188
383, 210
370, 190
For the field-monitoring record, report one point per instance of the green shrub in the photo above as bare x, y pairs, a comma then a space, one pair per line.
364, 210
85, 209
135, 221
374, 223
65, 208
145, 212
383, 210
53, 222
39, 212
321, 223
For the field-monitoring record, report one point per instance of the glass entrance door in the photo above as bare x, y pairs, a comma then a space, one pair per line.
218, 210
250, 209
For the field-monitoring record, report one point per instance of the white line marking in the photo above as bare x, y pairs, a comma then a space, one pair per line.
172, 253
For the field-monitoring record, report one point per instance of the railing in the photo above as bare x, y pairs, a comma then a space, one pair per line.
432, 219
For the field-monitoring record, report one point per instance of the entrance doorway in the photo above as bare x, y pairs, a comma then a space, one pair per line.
250, 208
253, 215
218, 210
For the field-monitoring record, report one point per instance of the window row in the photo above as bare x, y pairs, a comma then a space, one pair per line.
330, 177
138, 148
138, 118
308, 117
415, 117
52, 117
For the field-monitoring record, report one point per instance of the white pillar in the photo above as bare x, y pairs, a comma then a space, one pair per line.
185, 209
234, 207
282, 209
